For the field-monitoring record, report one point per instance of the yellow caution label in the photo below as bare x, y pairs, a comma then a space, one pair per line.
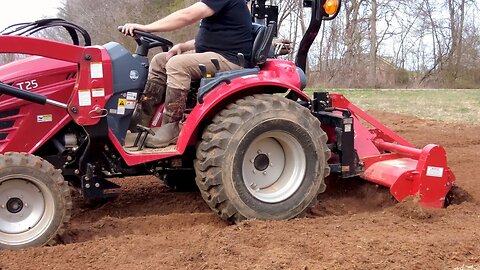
122, 102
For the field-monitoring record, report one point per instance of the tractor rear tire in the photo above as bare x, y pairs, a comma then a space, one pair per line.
35, 202
263, 157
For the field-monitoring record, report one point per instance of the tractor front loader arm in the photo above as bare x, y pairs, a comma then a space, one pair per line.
94, 73
42, 47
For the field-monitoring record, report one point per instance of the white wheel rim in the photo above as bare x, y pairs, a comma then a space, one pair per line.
26, 209
274, 166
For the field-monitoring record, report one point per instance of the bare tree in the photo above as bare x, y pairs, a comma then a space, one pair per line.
101, 19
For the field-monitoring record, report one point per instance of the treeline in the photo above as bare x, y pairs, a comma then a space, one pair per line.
394, 43
373, 43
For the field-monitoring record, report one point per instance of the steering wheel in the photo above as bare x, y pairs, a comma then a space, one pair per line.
153, 40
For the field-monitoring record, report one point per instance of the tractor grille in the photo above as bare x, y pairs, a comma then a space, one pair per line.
6, 123
71, 75
11, 84
9, 113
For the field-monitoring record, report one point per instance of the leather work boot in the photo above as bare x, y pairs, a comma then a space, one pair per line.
165, 135
153, 95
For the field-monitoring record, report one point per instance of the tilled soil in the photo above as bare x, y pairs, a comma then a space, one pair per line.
356, 225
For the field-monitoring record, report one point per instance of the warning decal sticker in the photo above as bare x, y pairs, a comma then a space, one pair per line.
122, 104
44, 118
131, 96
131, 104
434, 171
84, 98
98, 92
96, 70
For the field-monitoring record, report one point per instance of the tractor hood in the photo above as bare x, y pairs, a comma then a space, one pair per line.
35, 72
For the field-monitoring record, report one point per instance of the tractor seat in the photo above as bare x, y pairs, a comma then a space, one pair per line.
262, 42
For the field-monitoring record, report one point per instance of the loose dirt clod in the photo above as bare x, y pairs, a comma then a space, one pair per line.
410, 208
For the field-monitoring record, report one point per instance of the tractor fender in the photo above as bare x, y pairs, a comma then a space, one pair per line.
267, 81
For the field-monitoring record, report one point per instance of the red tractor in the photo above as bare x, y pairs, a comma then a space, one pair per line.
258, 146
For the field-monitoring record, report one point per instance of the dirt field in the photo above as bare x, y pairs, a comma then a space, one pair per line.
356, 225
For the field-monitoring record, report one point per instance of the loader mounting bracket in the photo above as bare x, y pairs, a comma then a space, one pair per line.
94, 186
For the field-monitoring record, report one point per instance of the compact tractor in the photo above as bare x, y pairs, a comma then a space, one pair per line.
256, 144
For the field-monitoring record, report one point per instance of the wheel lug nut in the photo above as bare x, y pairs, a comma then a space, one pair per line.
252, 160
259, 151
265, 173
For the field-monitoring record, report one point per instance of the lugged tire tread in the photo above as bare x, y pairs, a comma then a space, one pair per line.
216, 136
28, 160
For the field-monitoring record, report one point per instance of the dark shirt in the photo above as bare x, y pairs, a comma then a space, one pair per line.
227, 32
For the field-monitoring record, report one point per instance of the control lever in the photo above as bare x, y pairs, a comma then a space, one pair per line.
216, 63
143, 132
241, 59
203, 70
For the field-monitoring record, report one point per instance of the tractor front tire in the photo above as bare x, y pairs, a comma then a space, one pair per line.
35, 202
263, 157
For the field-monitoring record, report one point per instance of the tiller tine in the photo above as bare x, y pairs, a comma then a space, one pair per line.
409, 171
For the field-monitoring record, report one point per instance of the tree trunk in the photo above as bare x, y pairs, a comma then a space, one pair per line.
373, 46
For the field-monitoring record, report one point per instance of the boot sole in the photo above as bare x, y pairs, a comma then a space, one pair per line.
172, 141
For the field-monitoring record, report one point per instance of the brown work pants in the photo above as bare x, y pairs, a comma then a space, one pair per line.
177, 73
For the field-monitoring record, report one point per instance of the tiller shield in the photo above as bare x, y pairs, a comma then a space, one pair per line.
384, 158
411, 172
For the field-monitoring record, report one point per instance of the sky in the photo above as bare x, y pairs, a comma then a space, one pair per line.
18, 11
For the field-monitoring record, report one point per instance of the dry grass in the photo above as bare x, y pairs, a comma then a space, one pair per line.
462, 106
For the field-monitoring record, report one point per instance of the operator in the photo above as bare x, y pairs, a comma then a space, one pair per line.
225, 30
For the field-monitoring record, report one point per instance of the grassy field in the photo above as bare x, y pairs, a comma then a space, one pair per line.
461, 106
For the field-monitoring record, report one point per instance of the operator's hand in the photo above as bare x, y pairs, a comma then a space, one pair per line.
175, 50
128, 28
282, 46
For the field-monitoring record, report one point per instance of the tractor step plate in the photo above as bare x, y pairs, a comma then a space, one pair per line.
134, 150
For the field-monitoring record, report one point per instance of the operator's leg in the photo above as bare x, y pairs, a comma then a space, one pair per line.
153, 93
181, 70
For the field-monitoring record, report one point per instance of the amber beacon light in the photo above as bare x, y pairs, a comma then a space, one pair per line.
331, 6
